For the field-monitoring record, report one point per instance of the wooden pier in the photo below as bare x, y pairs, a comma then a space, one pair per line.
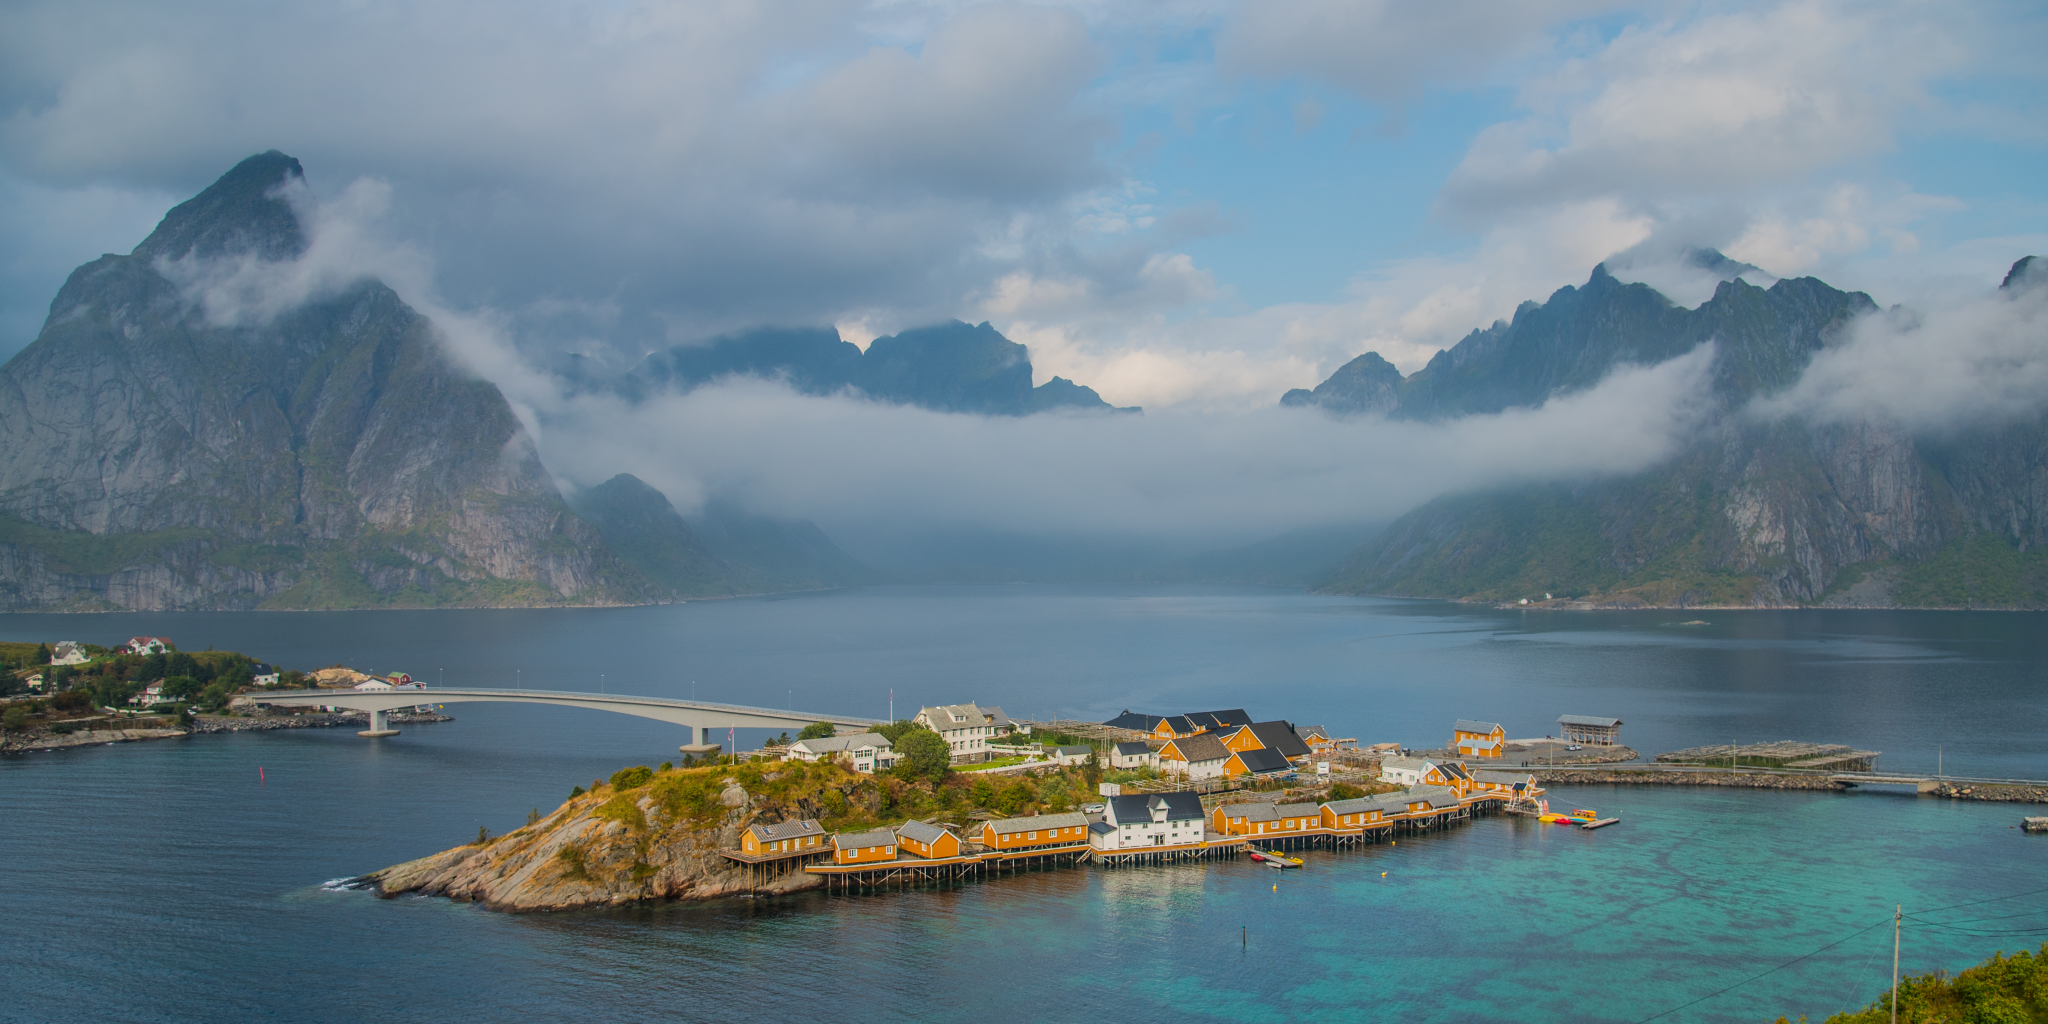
763, 868
909, 870
1214, 848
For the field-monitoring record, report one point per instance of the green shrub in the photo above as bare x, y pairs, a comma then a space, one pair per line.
1345, 791
17, 719
575, 791
922, 754
623, 809
572, 863
632, 778
687, 795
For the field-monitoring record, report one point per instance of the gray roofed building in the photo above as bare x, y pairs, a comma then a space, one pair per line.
864, 840
1202, 747
1588, 729
786, 830
1178, 807
1356, 805
1299, 810
835, 744
1439, 797
1587, 720
1264, 762
1100, 828
1252, 812
1133, 748
1038, 823
1467, 725
998, 721
923, 831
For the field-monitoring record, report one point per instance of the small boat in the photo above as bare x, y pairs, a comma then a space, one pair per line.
1580, 817
1276, 860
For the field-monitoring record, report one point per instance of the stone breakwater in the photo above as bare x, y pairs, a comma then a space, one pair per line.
336, 720
1995, 793
1745, 780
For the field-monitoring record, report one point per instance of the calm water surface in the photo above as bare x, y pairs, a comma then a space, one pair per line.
163, 881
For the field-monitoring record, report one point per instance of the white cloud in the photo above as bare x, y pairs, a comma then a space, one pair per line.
1975, 362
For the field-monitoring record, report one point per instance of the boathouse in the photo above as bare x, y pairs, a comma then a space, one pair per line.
1258, 764
864, 847
1599, 732
1037, 830
782, 837
1349, 814
1414, 771
927, 840
1278, 737
1519, 785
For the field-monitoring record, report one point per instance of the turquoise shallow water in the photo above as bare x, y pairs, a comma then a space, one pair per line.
163, 882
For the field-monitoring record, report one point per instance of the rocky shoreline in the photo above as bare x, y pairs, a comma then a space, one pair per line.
19, 744
1995, 793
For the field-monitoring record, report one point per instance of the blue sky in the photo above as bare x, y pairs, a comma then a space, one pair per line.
1183, 204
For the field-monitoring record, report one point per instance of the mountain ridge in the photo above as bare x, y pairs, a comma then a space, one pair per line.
1750, 513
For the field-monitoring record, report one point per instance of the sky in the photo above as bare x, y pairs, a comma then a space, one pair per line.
1190, 205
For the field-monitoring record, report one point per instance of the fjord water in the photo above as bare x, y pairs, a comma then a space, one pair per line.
165, 881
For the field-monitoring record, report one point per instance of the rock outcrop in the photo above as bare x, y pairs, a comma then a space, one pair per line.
180, 437
640, 838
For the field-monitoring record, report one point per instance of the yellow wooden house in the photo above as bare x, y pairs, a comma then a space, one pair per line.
1037, 830
864, 847
1478, 739
782, 837
925, 839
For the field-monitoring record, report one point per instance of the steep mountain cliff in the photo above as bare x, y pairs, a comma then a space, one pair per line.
1754, 512
155, 454
725, 553
953, 367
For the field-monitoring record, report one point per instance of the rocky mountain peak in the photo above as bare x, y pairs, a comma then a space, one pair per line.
245, 212
2026, 273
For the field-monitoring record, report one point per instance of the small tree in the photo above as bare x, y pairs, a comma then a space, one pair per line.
17, 719
922, 754
42, 654
817, 731
983, 791
894, 730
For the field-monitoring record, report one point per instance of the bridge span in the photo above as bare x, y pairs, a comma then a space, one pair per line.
701, 717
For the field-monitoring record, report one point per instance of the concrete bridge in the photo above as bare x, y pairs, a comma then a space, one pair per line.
702, 717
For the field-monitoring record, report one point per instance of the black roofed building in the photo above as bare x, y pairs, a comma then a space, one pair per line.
1153, 820
1133, 754
1258, 764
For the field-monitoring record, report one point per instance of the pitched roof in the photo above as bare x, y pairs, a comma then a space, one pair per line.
923, 831
1263, 762
1038, 823
1134, 720
1311, 732
1182, 724
1299, 810
1358, 805
1100, 828
872, 837
1256, 811
1454, 770
953, 716
1279, 736
1074, 751
1588, 720
997, 718
834, 744
1199, 747
1406, 763
786, 830
1220, 720
1138, 807
1132, 748
1438, 796
1468, 725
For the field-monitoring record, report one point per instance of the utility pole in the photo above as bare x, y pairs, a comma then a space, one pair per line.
1898, 918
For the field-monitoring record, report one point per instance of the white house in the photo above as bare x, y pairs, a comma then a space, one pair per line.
265, 676
147, 645
151, 694
67, 652
1405, 771
1201, 756
1149, 820
35, 682
868, 752
965, 728
1133, 755
1069, 755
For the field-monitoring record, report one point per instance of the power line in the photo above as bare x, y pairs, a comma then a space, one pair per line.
1972, 903
1766, 974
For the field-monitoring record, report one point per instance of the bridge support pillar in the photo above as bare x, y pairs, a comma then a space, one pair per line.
380, 725
703, 747
1928, 785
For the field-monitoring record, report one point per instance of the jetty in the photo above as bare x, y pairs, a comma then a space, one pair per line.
1778, 754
